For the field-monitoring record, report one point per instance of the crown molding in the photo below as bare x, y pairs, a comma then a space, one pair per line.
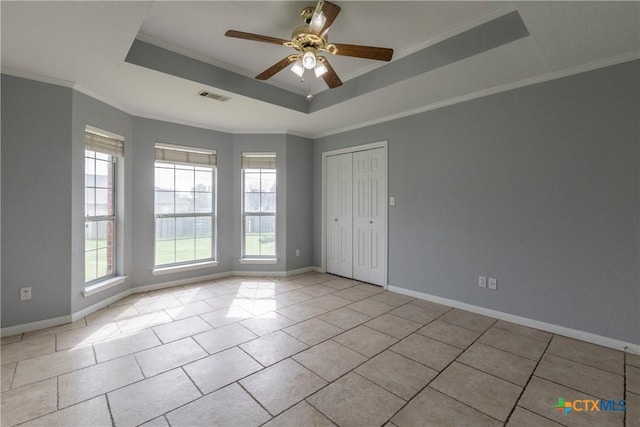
591, 66
36, 77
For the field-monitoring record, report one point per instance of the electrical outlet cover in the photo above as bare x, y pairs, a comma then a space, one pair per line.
25, 294
482, 281
493, 283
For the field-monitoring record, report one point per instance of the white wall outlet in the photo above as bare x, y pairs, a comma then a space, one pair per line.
493, 283
482, 282
25, 294
392, 201
297, 252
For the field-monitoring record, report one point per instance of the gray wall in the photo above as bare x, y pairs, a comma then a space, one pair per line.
36, 199
299, 202
538, 187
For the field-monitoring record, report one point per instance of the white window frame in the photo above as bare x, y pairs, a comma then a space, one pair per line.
270, 161
195, 157
103, 142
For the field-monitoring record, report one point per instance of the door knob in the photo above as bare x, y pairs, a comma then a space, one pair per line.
370, 222
336, 219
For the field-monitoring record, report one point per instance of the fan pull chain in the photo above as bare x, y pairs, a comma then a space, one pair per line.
309, 95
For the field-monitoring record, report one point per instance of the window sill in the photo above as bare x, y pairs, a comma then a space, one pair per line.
258, 260
104, 285
181, 268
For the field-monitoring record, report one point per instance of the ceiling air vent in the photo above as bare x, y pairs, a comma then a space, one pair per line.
217, 97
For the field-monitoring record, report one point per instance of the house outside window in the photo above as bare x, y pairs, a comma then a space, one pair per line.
100, 163
259, 205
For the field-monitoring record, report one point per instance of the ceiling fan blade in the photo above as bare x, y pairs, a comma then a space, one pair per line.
254, 37
277, 67
368, 52
330, 12
330, 77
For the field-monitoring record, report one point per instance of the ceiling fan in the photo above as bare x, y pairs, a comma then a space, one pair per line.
309, 41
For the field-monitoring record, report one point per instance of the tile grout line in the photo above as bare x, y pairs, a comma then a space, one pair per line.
331, 338
440, 372
624, 384
135, 360
194, 384
181, 367
489, 373
256, 400
510, 352
318, 409
587, 366
515, 405
13, 376
565, 386
541, 416
437, 375
341, 376
106, 398
58, 393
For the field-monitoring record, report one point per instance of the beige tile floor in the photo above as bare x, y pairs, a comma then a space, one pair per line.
310, 350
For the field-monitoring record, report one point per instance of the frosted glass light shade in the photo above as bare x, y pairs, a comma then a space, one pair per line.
309, 60
297, 68
320, 69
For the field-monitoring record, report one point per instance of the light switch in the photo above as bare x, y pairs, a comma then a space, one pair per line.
392, 201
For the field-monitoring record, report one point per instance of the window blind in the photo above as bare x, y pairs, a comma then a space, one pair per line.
103, 144
170, 154
259, 161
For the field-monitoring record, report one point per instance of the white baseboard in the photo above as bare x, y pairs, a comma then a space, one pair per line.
163, 285
318, 269
34, 326
97, 306
154, 287
299, 271
47, 323
272, 273
524, 321
259, 273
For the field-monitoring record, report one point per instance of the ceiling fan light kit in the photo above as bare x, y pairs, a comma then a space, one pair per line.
320, 69
298, 68
311, 39
309, 60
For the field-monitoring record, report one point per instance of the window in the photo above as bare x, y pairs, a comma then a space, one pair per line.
259, 205
101, 154
184, 205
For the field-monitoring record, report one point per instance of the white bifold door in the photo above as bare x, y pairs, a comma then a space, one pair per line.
357, 215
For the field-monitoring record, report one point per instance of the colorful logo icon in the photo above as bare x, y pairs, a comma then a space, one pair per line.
589, 405
564, 406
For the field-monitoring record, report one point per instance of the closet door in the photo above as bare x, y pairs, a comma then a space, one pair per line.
340, 215
369, 216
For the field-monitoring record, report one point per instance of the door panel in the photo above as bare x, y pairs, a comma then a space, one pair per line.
361, 215
357, 215
370, 216
333, 230
339, 215
378, 219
